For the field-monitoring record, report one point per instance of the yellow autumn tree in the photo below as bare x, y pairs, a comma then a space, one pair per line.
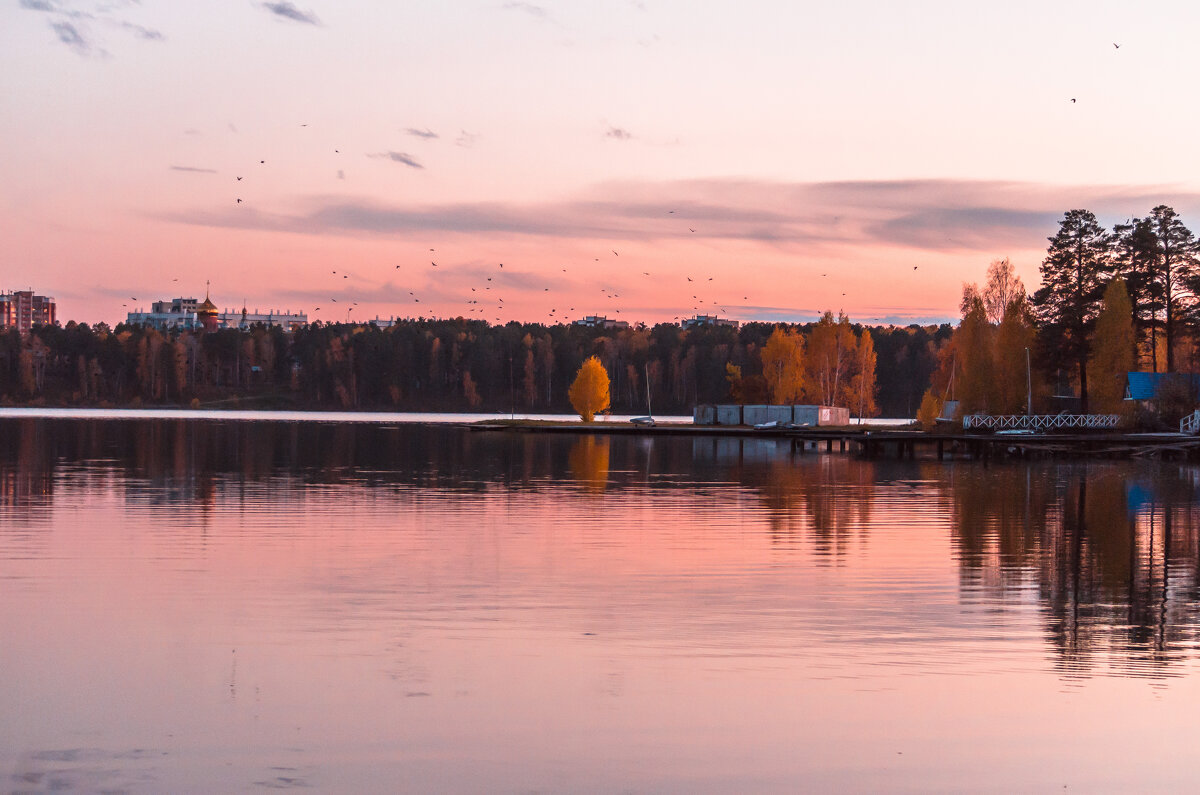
783, 366
831, 354
1014, 336
927, 414
973, 341
1112, 349
862, 383
589, 392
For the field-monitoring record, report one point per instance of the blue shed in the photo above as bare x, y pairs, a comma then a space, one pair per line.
1145, 386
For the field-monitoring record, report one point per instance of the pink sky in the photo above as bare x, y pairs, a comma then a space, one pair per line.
819, 154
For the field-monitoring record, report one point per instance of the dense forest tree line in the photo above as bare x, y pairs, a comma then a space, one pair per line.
444, 365
1110, 301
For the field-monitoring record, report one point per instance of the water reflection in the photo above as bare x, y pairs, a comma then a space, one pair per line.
1110, 548
211, 606
588, 462
1106, 553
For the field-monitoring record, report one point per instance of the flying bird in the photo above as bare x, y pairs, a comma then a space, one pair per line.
239, 179
615, 254
434, 264
239, 201
1116, 46
1072, 100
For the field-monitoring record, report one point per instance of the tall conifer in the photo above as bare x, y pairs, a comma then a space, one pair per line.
1074, 273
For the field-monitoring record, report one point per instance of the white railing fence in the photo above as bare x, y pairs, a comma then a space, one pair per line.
1190, 424
1040, 422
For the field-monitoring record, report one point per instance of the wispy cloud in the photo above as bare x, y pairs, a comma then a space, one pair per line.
426, 133
287, 10
142, 32
194, 169
398, 157
939, 216
528, 8
618, 134
71, 25
69, 35
465, 139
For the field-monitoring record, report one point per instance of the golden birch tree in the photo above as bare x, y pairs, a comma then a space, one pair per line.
1112, 348
783, 366
973, 343
1014, 335
862, 384
589, 393
831, 347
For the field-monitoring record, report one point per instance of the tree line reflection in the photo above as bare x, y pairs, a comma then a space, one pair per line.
1107, 553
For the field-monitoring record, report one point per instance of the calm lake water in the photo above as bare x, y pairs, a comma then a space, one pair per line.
221, 606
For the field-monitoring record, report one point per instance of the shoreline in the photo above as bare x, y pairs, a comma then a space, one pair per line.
870, 441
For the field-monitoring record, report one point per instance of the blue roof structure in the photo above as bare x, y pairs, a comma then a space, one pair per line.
1145, 386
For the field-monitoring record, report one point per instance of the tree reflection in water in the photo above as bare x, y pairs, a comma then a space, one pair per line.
1107, 551
1109, 548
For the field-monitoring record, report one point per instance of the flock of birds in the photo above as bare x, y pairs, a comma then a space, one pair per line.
481, 298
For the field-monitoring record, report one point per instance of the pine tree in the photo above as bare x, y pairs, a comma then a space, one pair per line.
1136, 261
1176, 265
1074, 273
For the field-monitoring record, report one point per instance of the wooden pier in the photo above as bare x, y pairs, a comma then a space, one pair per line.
882, 443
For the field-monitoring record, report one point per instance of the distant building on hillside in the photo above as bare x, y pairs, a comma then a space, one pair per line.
178, 313
599, 321
708, 320
244, 319
23, 310
190, 314
380, 322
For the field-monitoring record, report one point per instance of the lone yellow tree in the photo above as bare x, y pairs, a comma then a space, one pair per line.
589, 392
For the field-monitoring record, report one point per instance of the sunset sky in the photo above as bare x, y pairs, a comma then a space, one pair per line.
787, 157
